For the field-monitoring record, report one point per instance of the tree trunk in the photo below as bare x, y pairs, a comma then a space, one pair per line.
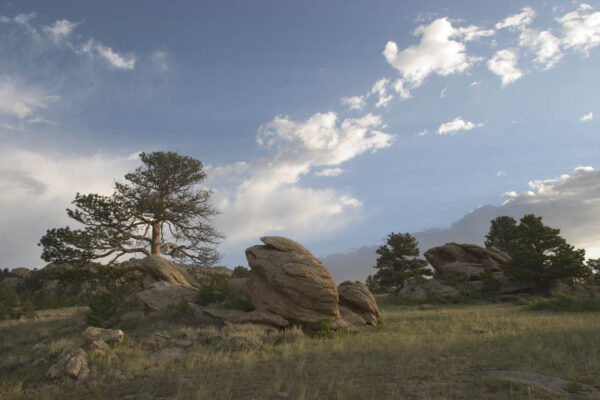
155, 247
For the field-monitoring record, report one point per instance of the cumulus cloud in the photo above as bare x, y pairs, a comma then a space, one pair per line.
60, 29
546, 46
570, 202
114, 59
581, 29
519, 20
264, 196
37, 187
354, 102
458, 124
329, 172
436, 52
587, 117
504, 64
380, 90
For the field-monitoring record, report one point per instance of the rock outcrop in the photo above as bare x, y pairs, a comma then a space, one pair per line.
72, 363
428, 289
286, 279
465, 261
252, 317
356, 297
92, 334
161, 295
164, 270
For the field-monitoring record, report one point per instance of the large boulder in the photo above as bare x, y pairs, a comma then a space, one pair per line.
288, 280
72, 363
428, 289
161, 295
252, 317
357, 297
465, 261
164, 270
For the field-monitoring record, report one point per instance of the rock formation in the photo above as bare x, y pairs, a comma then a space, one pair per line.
288, 280
356, 297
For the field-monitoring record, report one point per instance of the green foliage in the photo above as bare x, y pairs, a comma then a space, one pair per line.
594, 265
162, 193
489, 283
28, 310
574, 387
323, 329
8, 296
240, 272
398, 261
214, 289
103, 308
539, 255
566, 304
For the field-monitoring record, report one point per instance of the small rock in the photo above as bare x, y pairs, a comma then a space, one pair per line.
169, 355
182, 343
72, 363
106, 335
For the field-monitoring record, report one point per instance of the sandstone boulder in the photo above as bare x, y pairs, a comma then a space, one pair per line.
252, 317
161, 295
432, 289
288, 280
357, 297
465, 261
72, 363
164, 270
93, 333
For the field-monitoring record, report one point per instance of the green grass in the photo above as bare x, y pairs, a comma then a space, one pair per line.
445, 353
566, 304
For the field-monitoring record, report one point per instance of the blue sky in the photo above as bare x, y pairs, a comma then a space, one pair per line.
331, 122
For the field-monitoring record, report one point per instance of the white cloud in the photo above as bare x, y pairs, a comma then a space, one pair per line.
264, 197
436, 52
504, 64
329, 172
546, 46
60, 29
458, 124
587, 117
423, 132
501, 173
519, 20
114, 59
402, 91
443, 93
581, 30
473, 32
380, 89
22, 102
38, 186
354, 102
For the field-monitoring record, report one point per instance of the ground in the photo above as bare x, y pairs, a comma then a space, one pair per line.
448, 352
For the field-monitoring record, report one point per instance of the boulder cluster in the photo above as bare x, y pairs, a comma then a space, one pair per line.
465, 270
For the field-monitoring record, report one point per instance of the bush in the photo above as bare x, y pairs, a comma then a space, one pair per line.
8, 296
240, 272
323, 329
28, 310
103, 308
213, 290
566, 304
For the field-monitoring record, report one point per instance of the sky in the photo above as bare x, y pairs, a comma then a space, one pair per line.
333, 123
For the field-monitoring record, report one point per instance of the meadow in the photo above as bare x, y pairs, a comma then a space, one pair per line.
448, 352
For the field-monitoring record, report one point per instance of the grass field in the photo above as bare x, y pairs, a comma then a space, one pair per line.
444, 353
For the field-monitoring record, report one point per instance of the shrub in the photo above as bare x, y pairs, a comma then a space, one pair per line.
8, 296
103, 308
213, 290
28, 310
240, 272
323, 329
566, 304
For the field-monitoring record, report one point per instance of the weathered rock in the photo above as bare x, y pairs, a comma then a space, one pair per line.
182, 343
452, 252
288, 280
92, 334
238, 288
100, 347
253, 317
433, 289
351, 317
357, 297
72, 363
162, 269
162, 294
551, 384
168, 355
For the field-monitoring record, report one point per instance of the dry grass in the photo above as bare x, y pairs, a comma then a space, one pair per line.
444, 353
